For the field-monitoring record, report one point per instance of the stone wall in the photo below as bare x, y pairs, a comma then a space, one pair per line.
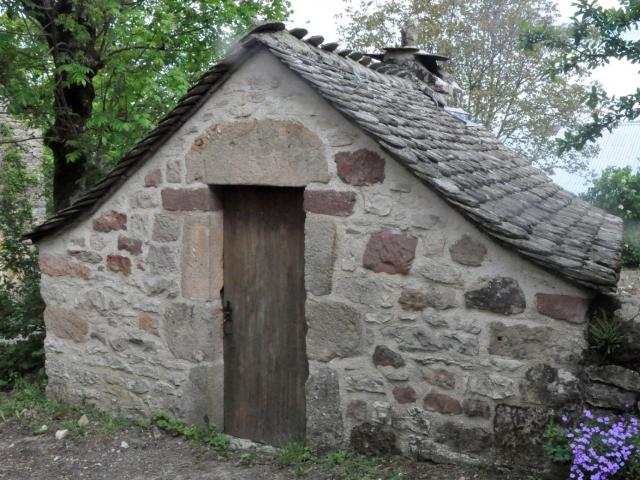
424, 335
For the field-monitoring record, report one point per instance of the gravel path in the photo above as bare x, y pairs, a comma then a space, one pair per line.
154, 455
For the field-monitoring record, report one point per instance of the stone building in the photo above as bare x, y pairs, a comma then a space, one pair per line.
316, 244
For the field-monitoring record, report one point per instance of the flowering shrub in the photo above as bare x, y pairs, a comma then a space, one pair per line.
599, 448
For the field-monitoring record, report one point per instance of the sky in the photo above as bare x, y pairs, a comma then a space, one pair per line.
617, 78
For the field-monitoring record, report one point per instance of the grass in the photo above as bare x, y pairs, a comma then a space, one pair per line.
28, 405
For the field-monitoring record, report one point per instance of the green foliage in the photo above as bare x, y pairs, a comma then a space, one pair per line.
595, 37
131, 61
179, 428
248, 459
21, 307
556, 445
505, 85
605, 334
295, 455
618, 192
28, 404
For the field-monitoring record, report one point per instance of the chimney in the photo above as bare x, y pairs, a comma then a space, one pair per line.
425, 66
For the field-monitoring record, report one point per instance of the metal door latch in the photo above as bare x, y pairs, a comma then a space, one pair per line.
227, 317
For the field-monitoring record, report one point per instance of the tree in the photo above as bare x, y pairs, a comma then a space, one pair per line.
94, 75
506, 86
595, 36
618, 192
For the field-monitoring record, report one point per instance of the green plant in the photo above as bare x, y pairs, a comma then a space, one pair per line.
249, 458
557, 446
295, 455
21, 306
605, 334
179, 428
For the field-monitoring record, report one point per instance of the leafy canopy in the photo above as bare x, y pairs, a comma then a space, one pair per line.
137, 57
595, 37
507, 87
618, 191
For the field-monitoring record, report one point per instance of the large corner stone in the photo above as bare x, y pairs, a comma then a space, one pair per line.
335, 330
467, 251
501, 295
518, 341
202, 257
204, 395
390, 252
193, 332
319, 254
258, 152
359, 168
65, 324
562, 307
325, 429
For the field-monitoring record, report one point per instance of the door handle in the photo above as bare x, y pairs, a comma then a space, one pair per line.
227, 319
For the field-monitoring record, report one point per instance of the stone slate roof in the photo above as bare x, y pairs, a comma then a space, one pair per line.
489, 184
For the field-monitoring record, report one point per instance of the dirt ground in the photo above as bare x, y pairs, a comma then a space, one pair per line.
154, 455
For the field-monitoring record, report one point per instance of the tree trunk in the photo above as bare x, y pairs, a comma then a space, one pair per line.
73, 101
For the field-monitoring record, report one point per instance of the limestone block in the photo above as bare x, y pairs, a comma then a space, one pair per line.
144, 199
166, 228
463, 439
329, 202
440, 271
361, 382
174, 171
335, 330
319, 254
201, 264
162, 260
562, 307
501, 295
193, 332
493, 386
518, 341
468, 251
203, 395
390, 252
546, 385
325, 429
615, 375
357, 410
65, 324
378, 204
257, 152
606, 396
85, 256
359, 168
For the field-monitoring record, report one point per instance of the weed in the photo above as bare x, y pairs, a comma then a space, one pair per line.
248, 459
179, 428
605, 333
294, 455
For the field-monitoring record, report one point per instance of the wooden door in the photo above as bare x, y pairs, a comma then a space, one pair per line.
264, 347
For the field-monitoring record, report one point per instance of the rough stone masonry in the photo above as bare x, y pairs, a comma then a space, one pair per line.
424, 335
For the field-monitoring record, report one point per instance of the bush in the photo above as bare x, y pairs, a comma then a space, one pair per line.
21, 306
